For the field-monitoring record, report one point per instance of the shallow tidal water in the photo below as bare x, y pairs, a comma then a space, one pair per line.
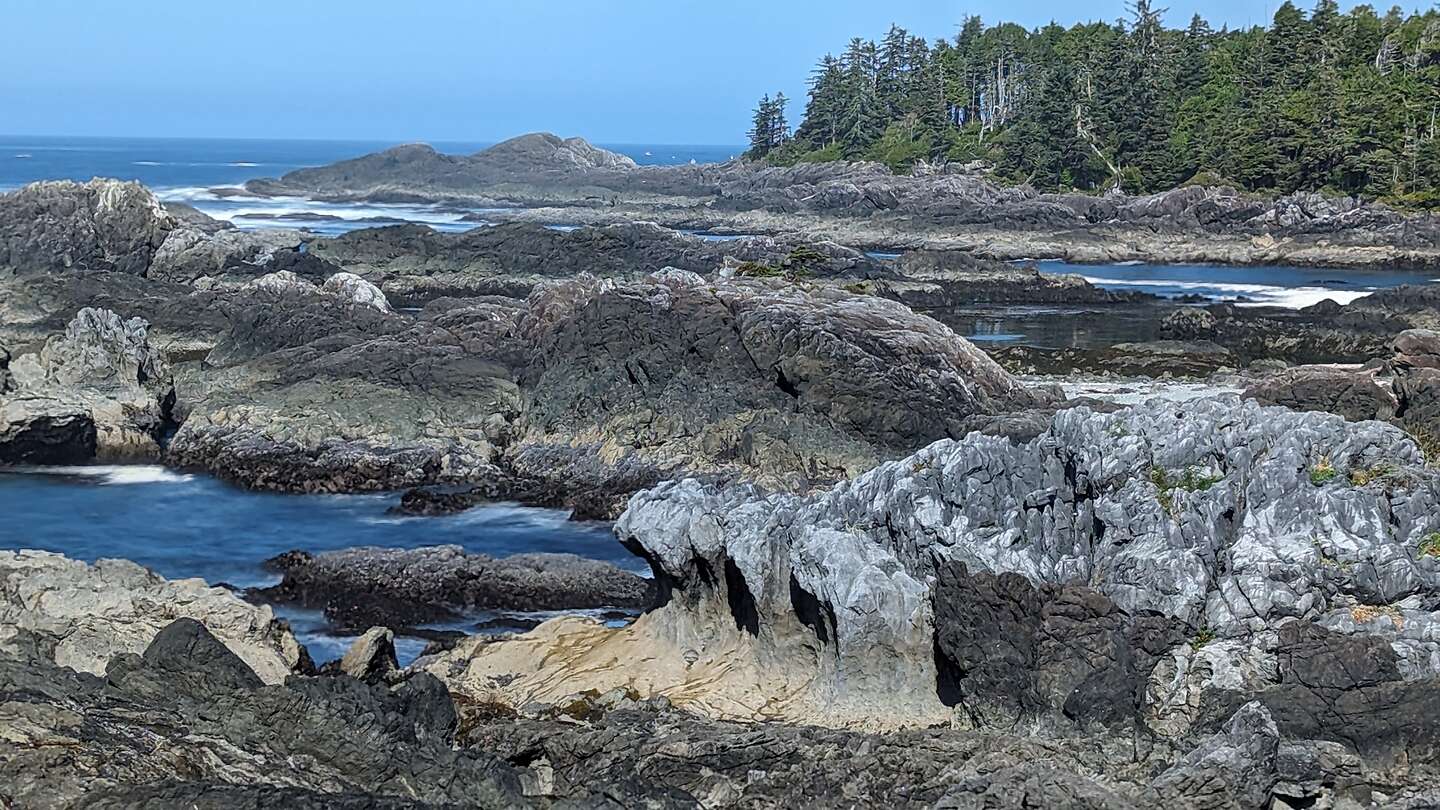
182, 525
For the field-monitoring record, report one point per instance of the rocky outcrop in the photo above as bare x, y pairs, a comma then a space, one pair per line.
872, 206
184, 721
109, 226
1402, 387
416, 265
100, 390
1326, 332
400, 588
80, 615
583, 393
310, 391
1128, 567
187, 722
63, 226
676, 372
412, 171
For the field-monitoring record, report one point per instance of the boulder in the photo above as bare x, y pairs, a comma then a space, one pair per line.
62, 227
86, 614
101, 379
372, 656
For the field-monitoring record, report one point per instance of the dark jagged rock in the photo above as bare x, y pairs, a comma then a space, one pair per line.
947, 278
62, 226
1351, 689
1350, 393
188, 716
677, 371
41, 430
1014, 651
109, 226
1154, 359
584, 393
1326, 332
415, 264
364, 587
1402, 387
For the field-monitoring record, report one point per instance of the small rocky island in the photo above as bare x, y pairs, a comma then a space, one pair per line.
887, 566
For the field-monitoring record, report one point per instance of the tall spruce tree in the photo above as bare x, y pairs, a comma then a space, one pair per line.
1330, 100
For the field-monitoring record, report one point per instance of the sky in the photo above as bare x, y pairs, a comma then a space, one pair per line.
613, 71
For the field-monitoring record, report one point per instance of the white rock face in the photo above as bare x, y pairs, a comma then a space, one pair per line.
1223, 518
356, 290
86, 614
348, 287
282, 282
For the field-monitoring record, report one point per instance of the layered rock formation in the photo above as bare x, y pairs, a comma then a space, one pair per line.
1154, 567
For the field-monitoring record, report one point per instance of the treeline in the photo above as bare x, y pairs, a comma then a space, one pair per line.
1344, 102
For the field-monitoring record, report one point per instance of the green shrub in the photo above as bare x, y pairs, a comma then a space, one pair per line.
1430, 545
1323, 472
1191, 480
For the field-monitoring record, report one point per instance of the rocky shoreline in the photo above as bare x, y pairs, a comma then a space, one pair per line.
548, 179
886, 567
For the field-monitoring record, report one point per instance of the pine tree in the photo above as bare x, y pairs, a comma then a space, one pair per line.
768, 130
1332, 100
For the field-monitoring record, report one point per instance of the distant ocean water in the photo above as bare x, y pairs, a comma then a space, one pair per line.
185, 169
170, 163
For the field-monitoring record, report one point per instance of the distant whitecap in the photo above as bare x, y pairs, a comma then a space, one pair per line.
115, 473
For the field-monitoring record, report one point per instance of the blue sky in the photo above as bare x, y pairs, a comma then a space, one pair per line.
615, 71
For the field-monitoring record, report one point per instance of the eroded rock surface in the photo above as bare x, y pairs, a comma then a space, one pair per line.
82, 615
99, 390
1134, 567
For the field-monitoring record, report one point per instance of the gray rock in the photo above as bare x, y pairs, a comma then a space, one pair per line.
407, 587
187, 722
102, 371
102, 225
1236, 768
89, 613
1220, 517
372, 656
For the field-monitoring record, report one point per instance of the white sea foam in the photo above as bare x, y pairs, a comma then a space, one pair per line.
23, 157
147, 163
1260, 294
243, 163
1301, 297
114, 473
